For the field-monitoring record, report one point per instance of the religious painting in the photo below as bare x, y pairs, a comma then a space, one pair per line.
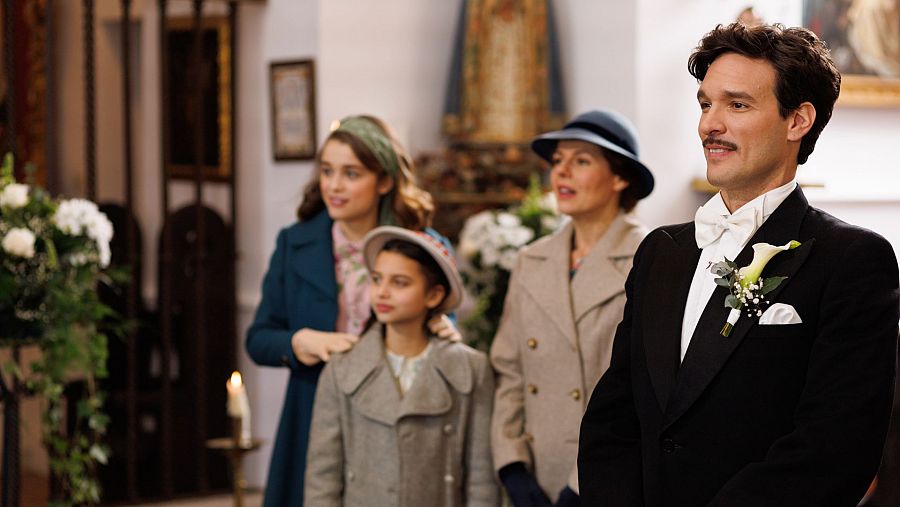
292, 88
864, 38
23, 87
505, 84
215, 77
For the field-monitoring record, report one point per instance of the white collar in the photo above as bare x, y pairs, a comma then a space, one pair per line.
767, 203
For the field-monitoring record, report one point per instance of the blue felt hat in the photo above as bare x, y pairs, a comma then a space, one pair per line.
604, 128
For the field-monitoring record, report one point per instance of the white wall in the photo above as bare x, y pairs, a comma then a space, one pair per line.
389, 58
268, 191
598, 49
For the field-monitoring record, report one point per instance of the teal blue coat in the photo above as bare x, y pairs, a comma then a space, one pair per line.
299, 291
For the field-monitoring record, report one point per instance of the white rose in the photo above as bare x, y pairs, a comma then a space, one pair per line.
489, 256
517, 236
14, 195
19, 242
105, 254
550, 223
548, 202
508, 259
508, 220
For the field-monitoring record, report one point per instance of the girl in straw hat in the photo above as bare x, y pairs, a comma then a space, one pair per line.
404, 419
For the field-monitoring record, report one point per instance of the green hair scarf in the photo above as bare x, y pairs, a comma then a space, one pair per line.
378, 142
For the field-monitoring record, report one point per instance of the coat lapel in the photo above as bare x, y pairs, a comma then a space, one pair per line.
429, 393
366, 378
709, 350
312, 254
545, 277
599, 279
663, 312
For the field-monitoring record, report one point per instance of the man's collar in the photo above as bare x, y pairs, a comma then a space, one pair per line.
767, 202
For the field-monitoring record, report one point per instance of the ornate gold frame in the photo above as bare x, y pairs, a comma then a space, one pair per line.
829, 18
222, 170
869, 91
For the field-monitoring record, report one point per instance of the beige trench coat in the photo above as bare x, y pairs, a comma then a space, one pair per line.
370, 447
554, 342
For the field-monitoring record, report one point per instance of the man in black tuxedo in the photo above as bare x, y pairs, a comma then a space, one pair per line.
791, 408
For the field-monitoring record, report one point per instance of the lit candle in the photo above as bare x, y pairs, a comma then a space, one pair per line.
238, 404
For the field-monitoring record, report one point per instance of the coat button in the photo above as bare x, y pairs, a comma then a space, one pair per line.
284, 360
532, 388
668, 445
350, 475
529, 437
575, 394
448, 429
448, 479
532, 343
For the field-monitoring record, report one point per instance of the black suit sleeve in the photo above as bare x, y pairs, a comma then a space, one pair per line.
840, 422
609, 449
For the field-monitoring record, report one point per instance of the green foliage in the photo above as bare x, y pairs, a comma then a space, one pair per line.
48, 298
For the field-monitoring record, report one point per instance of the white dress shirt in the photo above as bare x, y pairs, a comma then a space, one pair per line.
728, 245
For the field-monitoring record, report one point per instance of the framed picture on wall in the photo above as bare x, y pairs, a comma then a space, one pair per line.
864, 38
215, 109
292, 88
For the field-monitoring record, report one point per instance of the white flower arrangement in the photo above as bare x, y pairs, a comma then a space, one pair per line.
494, 239
51, 261
489, 244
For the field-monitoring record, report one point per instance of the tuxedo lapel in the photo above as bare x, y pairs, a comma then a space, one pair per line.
709, 350
663, 311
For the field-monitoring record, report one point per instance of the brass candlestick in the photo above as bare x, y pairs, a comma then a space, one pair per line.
235, 447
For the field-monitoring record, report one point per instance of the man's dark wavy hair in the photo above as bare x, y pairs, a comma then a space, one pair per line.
803, 66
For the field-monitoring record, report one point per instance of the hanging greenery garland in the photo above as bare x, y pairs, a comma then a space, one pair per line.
53, 255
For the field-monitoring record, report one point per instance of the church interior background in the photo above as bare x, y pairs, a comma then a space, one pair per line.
100, 96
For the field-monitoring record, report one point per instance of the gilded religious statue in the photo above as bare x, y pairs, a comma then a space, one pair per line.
505, 84
504, 89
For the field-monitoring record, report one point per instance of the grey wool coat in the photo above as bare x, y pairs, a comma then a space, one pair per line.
553, 344
369, 446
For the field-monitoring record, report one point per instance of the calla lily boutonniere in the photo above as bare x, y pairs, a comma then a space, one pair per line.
747, 288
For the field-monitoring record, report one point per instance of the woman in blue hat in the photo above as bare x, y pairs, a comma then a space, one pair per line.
314, 295
566, 296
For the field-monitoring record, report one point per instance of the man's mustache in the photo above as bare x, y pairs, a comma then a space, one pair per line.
720, 142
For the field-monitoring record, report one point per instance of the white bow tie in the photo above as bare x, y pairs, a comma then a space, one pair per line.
709, 225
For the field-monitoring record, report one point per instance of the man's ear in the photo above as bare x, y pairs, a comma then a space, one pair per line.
800, 121
435, 296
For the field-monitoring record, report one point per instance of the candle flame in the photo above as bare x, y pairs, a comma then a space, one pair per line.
236, 379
